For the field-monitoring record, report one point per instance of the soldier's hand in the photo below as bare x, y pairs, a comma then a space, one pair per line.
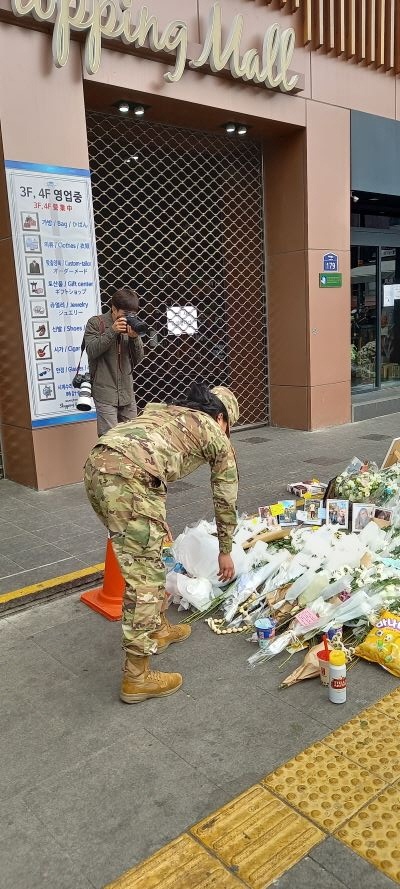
226, 567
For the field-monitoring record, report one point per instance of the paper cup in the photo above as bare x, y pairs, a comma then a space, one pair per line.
265, 629
323, 660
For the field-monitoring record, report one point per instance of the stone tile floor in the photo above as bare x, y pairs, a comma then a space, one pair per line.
51, 533
90, 787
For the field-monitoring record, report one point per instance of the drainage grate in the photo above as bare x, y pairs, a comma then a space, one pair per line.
255, 440
321, 461
375, 437
179, 216
181, 487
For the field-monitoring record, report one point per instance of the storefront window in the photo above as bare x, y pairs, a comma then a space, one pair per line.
363, 316
390, 315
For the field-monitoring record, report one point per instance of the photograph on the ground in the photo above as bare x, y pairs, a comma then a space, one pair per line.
362, 514
288, 516
384, 516
312, 515
266, 515
337, 514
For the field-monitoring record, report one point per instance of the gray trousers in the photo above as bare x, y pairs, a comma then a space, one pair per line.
108, 415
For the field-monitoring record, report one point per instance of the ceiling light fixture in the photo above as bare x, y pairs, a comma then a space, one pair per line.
138, 110
230, 128
123, 107
242, 129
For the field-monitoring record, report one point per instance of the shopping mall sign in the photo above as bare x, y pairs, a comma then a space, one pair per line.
136, 27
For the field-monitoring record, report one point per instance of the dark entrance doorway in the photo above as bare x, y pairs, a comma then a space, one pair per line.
179, 216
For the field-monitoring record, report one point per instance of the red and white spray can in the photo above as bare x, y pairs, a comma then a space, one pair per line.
337, 677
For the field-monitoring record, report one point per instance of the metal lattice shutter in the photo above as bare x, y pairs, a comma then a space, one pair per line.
179, 217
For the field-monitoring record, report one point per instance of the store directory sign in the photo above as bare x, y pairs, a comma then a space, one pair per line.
56, 265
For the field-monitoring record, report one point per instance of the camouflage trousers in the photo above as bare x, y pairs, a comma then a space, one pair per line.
131, 504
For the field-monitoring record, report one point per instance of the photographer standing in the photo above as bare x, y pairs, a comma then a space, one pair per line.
113, 351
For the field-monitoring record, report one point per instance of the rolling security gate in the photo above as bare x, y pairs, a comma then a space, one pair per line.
179, 217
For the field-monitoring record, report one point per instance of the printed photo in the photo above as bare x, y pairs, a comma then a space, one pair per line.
265, 514
40, 330
288, 517
30, 222
47, 392
362, 515
34, 266
44, 370
182, 320
385, 516
311, 512
32, 244
37, 287
337, 514
38, 308
42, 351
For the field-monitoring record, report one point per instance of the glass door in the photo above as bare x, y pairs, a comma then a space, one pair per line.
389, 370
365, 320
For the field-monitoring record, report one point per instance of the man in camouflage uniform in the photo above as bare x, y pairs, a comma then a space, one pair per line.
126, 479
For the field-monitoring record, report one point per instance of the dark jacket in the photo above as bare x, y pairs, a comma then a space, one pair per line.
112, 358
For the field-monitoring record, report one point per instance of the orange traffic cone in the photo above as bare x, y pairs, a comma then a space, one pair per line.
107, 600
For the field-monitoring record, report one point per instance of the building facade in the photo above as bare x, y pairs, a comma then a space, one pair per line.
243, 160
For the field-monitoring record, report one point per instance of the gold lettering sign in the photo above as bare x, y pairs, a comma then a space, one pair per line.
117, 20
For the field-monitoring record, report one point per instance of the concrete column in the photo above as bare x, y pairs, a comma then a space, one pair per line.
308, 213
42, 118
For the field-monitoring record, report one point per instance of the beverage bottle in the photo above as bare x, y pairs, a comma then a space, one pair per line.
337, 677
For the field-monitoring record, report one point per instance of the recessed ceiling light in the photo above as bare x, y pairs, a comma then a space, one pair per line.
138, 110
242, 129
230, 127
123, 107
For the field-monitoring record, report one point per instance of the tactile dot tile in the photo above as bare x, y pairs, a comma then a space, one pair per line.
180, 865
389, 705
372, 741
324, 785
258, 837
374, 832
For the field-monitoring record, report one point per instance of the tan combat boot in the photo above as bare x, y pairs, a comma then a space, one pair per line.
167, 633
140, 683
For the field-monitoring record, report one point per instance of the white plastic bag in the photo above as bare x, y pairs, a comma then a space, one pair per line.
198, 550
198, 592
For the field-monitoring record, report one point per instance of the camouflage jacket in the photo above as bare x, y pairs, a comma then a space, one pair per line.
111, 359
171, 442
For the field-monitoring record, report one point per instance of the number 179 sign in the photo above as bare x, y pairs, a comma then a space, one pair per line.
331, 262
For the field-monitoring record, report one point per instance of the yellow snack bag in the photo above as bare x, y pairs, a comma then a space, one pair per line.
382, 645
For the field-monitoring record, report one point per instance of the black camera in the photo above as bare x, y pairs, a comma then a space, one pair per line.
84, 402
79, 379
141, 328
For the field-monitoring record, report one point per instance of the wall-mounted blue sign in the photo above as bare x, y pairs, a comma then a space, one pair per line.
331, 262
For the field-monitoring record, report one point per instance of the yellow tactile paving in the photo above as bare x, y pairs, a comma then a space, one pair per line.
374, 832
389, 705
258, 836
372, 741
325, 785
341, 784
183, 864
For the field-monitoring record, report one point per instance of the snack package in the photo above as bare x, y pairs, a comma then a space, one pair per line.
382, 645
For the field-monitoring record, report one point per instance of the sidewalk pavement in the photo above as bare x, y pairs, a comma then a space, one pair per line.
48, 534
91, 787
